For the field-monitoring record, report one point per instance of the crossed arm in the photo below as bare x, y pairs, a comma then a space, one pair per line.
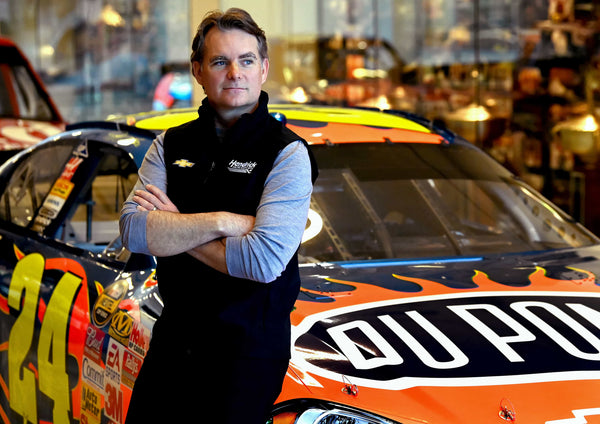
256, 249
201, 234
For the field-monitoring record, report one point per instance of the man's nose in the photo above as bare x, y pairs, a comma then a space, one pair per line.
234, 71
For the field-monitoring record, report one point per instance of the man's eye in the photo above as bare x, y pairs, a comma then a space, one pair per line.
219, 63
247, 62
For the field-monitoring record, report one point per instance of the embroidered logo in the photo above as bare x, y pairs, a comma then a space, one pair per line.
183, 163
241, 167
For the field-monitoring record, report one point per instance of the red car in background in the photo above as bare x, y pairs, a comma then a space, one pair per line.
27, 113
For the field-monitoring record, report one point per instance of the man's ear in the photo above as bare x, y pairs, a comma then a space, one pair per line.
197, 71
265, 70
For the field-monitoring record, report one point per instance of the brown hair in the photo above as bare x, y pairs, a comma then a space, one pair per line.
233, 18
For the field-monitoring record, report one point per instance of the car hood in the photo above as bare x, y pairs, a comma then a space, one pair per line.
18, 134
455, 340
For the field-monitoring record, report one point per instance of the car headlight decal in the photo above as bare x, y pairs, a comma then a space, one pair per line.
323, 413
319, 416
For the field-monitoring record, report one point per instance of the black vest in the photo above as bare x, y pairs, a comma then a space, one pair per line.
207, 174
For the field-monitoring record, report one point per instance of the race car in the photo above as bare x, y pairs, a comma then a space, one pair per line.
27, 112
436, 286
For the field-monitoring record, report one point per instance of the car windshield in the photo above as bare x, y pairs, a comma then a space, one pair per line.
20, 94
383, 200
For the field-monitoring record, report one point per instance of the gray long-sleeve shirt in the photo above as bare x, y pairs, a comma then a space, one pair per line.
263, 253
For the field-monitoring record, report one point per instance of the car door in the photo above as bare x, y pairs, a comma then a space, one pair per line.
59, 210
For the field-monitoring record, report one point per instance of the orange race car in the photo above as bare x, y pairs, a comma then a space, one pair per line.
436, 286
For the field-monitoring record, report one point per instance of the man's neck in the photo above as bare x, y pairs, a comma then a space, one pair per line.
226, 119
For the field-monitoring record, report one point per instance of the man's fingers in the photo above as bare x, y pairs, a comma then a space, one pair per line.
143, 203
147, 196
154, 198
160, 195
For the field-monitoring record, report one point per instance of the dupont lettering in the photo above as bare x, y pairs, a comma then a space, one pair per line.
482, 338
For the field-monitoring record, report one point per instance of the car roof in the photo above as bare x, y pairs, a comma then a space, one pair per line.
318, 125
321, 124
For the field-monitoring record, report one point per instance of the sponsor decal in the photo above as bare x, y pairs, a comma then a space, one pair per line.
131, 368
91, 405
92, 373
93, 344
71, 167
114, 359
183, 163
467, 339
139, 340
241, 167
53, 204
120, 327
108, 302
62, 189
113, 403
58, 195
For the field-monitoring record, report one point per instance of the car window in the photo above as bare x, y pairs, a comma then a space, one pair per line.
31, 182
71, 191
31, 104
94, 222
411, 201
20, 95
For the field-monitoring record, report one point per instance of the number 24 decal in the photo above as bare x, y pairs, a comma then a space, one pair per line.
24, 296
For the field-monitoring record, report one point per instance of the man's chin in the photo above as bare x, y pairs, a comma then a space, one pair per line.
238, 108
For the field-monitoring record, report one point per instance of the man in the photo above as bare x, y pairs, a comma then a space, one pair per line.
222, 202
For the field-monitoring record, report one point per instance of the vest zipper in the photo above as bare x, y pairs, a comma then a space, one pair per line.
212, 166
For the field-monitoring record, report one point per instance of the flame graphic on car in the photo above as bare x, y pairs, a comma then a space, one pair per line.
319, 297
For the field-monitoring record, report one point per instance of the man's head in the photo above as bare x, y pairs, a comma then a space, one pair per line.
233, 18
230, 62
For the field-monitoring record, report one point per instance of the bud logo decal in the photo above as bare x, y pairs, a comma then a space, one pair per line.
466, 339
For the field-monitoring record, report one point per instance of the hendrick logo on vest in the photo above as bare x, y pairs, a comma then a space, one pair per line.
241, 167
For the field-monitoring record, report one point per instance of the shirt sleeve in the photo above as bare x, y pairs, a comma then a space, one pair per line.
132, 223
263, 254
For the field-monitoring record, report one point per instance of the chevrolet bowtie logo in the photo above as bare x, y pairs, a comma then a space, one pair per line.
183, 163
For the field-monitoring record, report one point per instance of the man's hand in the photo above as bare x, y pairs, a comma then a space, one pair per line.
153, 199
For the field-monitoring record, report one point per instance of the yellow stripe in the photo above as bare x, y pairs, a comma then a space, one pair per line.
168, 120
347, 116
294, 112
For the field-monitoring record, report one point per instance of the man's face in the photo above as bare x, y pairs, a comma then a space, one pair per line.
231, 72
